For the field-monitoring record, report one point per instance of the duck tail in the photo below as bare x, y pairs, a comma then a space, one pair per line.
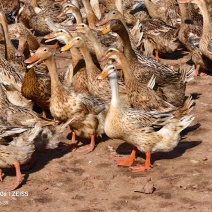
187, 74
175, 126
187, 107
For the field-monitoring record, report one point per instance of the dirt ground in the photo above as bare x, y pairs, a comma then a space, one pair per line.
179, 181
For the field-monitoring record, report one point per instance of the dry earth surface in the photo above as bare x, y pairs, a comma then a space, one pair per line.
179, 181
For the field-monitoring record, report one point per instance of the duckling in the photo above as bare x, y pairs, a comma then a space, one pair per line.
121, 123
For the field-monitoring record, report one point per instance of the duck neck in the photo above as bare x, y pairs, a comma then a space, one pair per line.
78, 16
114, 88
91, 17
76, 3
128, 75
91, 69
206, 18
51, 65
184, 12
97, 46
9, 48
128, 51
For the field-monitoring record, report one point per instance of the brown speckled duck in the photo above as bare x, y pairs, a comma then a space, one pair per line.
170, 84
66, 104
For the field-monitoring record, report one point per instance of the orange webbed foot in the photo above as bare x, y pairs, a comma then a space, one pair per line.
86, 149
140, 168
203, 74
19, 178
70, 148
124, 161
147, 165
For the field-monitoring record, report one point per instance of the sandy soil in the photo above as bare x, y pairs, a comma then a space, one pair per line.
179, 181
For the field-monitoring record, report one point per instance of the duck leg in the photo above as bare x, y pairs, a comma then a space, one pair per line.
147, 165
204, 73
43, 113
126, 161
88, 148
196, 72
18, 178
73, 146
1, 175
157, 54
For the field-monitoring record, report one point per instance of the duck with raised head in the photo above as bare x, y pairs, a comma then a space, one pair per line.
170, 84
65, 104
141, 96
94, 86
78, 76
138, 128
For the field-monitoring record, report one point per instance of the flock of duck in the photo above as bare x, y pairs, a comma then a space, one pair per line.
115, 83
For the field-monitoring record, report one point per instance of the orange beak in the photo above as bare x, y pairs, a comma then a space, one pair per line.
103, 74
106, 30
33, 60
68, 46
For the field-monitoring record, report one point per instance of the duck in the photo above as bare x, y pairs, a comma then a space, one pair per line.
18, 31
34, 17
189, 35
77, 78
205, 39
159, 37
167, 11
94, 86
124, 124
170, 84
11, 9
140, 96
9, 49
65, 103
18, 152
14, 114
156, 34
36, 84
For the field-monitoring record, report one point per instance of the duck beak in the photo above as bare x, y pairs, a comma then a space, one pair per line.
102, 22
71, 27
66, 47
183, 1
106, 30
33, 60
50, 37
103, 74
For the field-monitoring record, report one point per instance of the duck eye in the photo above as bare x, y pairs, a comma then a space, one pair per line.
83, 25
114, 13
77, 38
45, 50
